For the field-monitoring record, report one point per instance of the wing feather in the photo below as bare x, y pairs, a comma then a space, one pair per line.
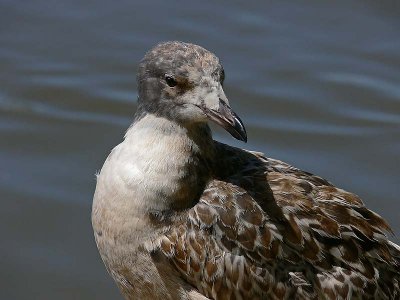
264, 229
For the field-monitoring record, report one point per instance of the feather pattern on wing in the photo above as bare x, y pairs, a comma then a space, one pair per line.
263, 228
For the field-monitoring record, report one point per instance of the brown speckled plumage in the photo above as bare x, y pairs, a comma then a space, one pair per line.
322, 243
177, 215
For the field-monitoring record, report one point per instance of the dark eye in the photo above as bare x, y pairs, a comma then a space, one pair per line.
170, 81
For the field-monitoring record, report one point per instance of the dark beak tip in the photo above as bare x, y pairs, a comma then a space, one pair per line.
243, 137
239, 129
229, 120
238, 132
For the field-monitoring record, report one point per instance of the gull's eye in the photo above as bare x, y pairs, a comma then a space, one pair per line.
170, 81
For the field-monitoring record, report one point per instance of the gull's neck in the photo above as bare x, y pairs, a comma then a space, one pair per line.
162, 164
160, 168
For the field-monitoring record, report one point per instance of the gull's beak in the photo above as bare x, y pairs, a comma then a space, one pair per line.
223, 115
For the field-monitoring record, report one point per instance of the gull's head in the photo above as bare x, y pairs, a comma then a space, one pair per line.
184, 82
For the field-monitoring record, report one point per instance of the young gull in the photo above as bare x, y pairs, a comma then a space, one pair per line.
177, 215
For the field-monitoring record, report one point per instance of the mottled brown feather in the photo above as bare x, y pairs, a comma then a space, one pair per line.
264, 229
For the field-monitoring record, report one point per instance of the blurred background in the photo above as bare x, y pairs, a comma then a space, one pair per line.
317, 84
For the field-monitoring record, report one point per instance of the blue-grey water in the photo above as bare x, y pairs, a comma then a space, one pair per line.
317, 84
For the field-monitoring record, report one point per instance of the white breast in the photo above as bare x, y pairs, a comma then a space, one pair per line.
148, 166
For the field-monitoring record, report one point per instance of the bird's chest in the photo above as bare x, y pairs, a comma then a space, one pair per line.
146, 175
163, 172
